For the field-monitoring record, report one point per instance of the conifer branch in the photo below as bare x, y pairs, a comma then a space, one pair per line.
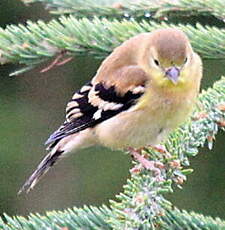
93, 218
179, 220
68, 36
136, 9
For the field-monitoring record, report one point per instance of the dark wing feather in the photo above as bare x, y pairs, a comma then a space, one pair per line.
82, 112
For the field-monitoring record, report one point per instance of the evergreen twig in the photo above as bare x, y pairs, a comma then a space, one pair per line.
136, 9
38, 42
93, 218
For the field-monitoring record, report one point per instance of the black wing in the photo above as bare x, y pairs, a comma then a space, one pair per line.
92, 105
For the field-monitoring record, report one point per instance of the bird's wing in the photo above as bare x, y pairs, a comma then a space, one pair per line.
94, 103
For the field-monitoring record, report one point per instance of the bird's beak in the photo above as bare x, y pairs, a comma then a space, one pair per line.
173, 74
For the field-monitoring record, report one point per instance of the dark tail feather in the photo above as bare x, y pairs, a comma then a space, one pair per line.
42, 168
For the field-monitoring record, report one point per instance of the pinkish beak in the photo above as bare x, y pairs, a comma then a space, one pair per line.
173, 74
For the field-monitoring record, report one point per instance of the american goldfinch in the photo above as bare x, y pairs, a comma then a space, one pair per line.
142, 91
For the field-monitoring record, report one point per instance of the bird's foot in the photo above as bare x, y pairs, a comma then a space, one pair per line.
149, 165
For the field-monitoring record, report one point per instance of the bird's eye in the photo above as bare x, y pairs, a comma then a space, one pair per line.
156, 62
185, 60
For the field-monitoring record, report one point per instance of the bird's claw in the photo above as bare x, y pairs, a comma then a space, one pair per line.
149, 165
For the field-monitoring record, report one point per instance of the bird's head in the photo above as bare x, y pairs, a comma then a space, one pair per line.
169, 58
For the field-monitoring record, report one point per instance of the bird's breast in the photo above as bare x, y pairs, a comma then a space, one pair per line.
144, 124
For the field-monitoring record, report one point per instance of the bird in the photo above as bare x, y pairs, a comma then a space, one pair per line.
141, 92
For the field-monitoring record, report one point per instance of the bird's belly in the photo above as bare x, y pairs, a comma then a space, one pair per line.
144, 128
137, 128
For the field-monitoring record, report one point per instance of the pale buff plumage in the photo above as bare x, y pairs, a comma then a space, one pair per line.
162, 66
165, 105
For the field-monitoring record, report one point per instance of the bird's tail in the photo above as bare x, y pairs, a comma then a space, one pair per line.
42, 168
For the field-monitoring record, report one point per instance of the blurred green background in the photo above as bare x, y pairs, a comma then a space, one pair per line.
32, 107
